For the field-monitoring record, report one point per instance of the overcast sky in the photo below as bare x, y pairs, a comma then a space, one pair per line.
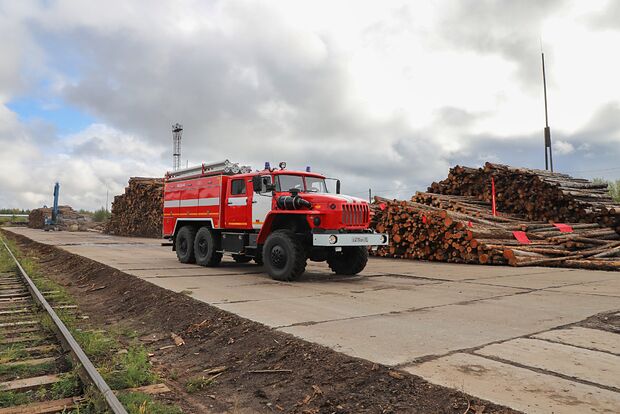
384, 95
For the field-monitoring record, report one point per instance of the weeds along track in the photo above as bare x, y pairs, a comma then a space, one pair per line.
37, 351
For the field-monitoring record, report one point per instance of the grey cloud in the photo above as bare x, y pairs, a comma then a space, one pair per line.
599, 140
608, 18
508, 28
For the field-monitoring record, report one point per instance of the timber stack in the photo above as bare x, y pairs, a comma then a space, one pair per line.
534, 194
463, 229
68, 219
138, 212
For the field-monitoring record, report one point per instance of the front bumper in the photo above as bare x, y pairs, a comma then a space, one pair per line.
349, 239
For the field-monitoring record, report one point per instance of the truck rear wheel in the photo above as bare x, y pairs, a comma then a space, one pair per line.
205, 249
184, 244
350, 261
284, 256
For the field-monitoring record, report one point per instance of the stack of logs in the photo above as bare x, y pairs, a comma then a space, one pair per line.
138, 212
536, 195
462, 229
68, 219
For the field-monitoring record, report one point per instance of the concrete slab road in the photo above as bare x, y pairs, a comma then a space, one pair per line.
500, 333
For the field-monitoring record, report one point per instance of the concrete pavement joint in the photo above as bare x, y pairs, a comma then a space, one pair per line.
573, 345
584, 293
410, 310
546, 372
199, 275
471, 350
267, 300
540, 289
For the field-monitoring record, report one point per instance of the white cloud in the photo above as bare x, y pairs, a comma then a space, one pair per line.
563, 147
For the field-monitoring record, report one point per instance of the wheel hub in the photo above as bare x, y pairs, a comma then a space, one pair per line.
202, 246
278, 257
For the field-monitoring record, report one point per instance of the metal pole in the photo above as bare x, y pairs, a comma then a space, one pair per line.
547, 131
369, 195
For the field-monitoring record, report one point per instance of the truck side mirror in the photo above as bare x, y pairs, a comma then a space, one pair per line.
257, 183
337, 186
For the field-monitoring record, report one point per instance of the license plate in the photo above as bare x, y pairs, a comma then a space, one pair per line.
359, 239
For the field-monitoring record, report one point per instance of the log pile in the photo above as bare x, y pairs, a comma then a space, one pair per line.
462, 229
68, 219
138, 212
534, 194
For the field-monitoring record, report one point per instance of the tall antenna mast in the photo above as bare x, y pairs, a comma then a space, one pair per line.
177, 131
549, 157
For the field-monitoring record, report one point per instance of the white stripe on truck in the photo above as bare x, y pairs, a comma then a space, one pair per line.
193, 202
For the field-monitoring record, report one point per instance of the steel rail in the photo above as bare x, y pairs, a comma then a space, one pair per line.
70, 344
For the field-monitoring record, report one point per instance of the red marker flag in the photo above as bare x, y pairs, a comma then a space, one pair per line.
564, 228
521, 237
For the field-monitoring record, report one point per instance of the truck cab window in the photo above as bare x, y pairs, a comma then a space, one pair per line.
315, 185
237, 187
286, 182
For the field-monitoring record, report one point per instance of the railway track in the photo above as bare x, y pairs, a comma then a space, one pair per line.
34, 346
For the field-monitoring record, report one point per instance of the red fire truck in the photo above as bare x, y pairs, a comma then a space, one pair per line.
276, 217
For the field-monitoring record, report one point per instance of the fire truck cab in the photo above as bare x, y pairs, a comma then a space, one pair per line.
276, 217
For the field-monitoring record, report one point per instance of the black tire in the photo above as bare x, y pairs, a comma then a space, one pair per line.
184, 244
350, 261
205, 249
239, 258
284, 256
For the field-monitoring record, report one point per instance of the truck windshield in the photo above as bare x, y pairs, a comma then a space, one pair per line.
285, 182
315, 185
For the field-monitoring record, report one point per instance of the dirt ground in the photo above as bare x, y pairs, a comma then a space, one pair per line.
312, 379
608, 321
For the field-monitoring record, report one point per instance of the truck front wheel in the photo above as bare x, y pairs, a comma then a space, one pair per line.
284, 256
350, 261
184, 244
204, 248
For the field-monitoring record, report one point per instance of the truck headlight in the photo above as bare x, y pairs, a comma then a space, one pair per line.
333, 239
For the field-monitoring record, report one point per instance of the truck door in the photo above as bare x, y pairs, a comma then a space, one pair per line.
237, 209
261, 202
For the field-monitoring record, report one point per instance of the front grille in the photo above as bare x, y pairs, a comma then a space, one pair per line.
355, 214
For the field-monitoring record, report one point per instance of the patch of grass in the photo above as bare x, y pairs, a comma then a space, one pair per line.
23, 370
97, 345
6, 263
11, 353
68, 386
10, 398
121, 331
128, 370
138, 403
198, 383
